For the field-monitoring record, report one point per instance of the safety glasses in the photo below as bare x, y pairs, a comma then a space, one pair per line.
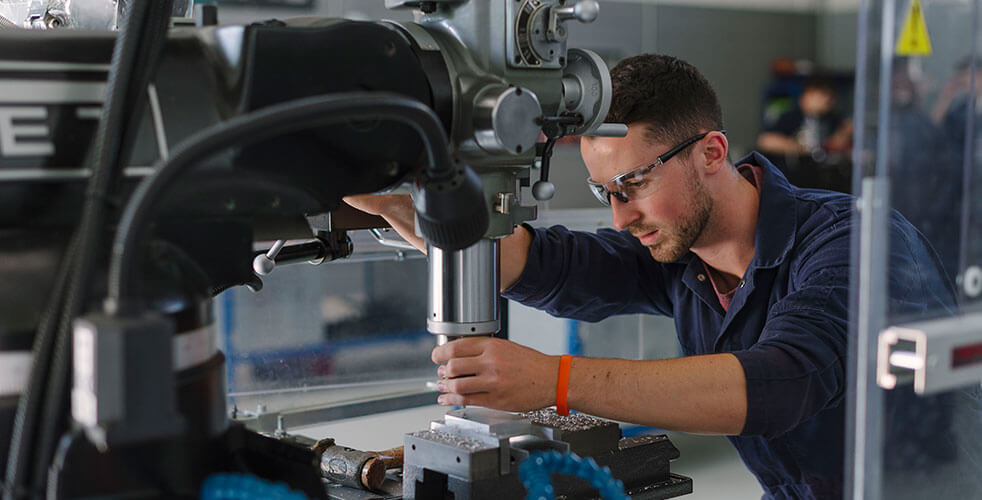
637, 183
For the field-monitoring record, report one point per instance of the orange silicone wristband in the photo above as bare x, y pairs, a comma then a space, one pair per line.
562, 385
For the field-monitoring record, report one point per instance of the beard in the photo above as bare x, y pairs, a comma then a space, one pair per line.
678, 238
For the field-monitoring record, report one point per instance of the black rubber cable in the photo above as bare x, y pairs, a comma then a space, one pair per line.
28, 406
116, 146
260, 125
49, 373
116, 143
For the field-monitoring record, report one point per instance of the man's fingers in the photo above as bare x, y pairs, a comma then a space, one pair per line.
378, 204
365, 202
464, 385
460, 348
460, 367
478, 399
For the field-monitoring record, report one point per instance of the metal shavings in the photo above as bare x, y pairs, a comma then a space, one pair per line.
454, 440
572, 423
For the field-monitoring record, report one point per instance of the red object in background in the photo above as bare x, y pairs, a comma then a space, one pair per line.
966, 355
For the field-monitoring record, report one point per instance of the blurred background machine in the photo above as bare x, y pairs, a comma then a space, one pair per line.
140, 172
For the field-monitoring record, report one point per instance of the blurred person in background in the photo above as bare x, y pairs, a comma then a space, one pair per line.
812, 128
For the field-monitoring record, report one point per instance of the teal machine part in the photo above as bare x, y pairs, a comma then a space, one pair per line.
535, 471
246, 487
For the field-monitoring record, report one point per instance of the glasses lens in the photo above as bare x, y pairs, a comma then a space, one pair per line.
601, 193
640, 182
635, 184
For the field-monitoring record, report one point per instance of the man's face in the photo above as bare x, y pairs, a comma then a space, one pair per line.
669, 221
816, 101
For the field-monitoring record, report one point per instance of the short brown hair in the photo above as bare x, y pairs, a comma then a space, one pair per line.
667, 94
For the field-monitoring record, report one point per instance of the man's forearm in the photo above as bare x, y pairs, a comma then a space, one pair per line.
398, 211
703, 394
514, 256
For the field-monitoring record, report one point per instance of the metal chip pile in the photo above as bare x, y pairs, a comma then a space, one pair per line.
454, 440
572, 423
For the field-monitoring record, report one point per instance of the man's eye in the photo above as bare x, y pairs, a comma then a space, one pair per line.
637, 184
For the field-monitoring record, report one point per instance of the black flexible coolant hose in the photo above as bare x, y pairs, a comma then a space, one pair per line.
257, 126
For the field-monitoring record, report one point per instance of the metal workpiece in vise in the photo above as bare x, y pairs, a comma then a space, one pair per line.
475, 453
511, 79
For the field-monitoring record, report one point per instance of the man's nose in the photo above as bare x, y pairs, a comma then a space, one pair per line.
623, 213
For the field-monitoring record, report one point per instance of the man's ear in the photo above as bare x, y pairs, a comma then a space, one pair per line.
714, 149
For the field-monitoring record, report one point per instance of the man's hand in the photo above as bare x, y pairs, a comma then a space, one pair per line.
703, 394
381, 204
397, 209
495, 373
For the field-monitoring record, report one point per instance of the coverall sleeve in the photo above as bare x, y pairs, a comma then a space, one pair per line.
797, 366
590, 276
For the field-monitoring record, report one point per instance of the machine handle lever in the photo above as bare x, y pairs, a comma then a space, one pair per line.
544, 190
326, 246
609, 130
584, 11
264, 263
554, 127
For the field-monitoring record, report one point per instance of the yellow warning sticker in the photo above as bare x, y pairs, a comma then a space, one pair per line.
914, 40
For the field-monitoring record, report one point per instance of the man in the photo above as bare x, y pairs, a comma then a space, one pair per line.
754, 271
812, 128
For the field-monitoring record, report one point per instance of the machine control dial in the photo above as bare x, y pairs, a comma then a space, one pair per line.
540, 34
586, 89
505, 119
530, 26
